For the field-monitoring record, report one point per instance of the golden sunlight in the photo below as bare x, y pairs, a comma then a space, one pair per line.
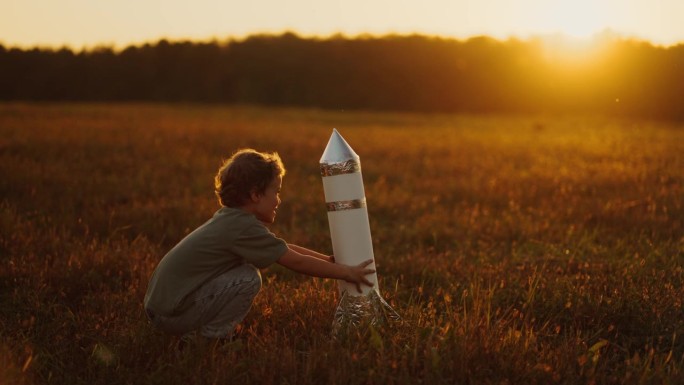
79, 23
578, 18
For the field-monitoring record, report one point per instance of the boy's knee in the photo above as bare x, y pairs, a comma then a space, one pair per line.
251, 278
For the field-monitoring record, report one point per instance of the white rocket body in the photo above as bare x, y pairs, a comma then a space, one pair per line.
345, 199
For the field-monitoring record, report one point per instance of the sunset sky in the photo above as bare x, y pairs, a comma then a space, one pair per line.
87, 23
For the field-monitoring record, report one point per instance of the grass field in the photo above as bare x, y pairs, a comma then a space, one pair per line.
517, 249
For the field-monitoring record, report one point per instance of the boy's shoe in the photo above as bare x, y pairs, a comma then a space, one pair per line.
190, 342
195, 342
225, 345
186, 340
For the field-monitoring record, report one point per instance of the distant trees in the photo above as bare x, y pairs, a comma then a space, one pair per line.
415, 73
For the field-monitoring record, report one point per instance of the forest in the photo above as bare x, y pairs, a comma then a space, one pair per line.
609, 75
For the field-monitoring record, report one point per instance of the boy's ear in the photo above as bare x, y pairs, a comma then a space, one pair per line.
254, 196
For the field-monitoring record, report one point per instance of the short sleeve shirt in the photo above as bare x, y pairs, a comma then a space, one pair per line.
232, 237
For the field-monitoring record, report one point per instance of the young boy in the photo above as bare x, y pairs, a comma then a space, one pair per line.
207, 282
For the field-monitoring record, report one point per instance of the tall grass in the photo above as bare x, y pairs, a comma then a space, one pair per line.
518, 249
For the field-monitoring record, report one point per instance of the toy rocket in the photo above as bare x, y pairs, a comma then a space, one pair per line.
350, 231
347, 213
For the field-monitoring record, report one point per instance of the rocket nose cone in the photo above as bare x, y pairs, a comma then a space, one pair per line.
337, 150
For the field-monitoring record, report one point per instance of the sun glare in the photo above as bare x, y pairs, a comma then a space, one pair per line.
576, 31
572, 51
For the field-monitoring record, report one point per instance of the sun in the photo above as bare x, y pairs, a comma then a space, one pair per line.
571, 51
572, 30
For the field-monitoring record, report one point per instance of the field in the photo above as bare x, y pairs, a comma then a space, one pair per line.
517, 249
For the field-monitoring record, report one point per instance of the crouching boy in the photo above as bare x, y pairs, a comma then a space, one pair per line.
205, 285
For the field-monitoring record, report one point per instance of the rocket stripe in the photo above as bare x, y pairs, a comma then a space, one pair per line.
347, 167
346, 205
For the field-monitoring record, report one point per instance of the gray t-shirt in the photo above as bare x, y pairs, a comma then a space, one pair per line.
232, 237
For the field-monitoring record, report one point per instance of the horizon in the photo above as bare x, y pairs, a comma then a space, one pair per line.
565, 40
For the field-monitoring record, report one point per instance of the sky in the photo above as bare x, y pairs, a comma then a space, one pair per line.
79, 24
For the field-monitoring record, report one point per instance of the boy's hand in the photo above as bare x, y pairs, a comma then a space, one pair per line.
358, 273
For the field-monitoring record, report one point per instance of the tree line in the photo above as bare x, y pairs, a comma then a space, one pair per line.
406, 73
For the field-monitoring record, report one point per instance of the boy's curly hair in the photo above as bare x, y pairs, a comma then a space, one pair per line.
245, 172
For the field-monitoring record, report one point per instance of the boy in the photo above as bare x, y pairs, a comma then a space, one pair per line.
206, 284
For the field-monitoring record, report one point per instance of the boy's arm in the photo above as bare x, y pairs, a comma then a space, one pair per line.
305, 251
315, 267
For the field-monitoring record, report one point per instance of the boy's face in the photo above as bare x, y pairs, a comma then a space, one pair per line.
266, 204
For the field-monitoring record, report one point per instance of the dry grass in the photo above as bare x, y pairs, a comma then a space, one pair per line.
519, 249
